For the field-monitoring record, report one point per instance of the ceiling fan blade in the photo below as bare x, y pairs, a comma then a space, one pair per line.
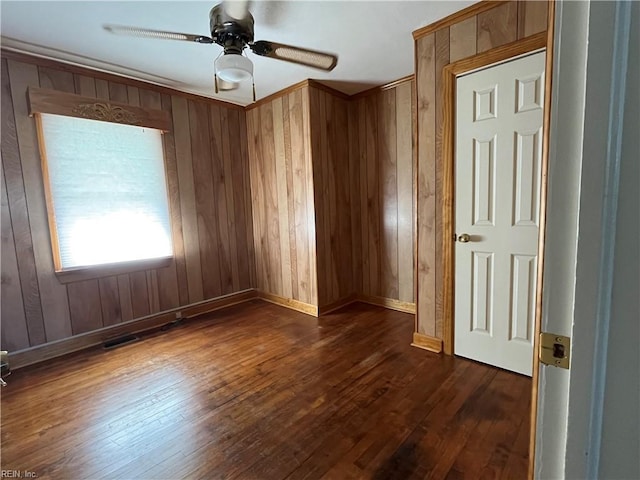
162, 34
237, 9
302, 56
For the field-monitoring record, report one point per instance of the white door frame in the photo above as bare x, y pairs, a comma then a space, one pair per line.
590, 62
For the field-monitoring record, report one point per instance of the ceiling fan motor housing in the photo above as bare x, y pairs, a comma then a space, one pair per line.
230, 33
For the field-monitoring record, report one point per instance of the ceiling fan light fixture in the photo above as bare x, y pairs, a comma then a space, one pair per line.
233, 68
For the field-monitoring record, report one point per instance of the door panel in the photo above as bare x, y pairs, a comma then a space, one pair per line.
483, 182
482, 311
498, 166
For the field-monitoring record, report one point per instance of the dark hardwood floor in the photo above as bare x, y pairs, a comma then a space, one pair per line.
260, 392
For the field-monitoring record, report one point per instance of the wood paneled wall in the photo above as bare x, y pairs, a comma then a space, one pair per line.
332, 195
282, 195
496, 25
208, 183
382, 158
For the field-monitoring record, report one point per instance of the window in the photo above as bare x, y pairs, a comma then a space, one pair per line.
106, 190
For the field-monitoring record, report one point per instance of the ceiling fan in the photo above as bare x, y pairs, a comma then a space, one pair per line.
232, 28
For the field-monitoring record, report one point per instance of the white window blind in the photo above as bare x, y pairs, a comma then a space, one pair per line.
107, 190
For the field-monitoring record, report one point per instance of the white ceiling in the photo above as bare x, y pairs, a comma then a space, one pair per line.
371, 38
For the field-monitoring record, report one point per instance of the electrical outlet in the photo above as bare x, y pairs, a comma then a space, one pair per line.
178, 315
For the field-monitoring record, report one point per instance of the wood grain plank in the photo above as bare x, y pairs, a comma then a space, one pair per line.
354, 195
271, 242
316, 173
442, 59
272, 233
318, 159
85, 86
291, 216
152, 291
256, 193
173, 282
257, 196
230, 132
497, 27
300, 196
102, 89
248, 261
84, 306
133, 96
364, 203
205, 199
532, 17
139, 294
334, 165
404, 149
317, 118
124, 293
343, 198
222, 209
53, 295
311, 224
167, 287
426, 106
282, 204
182, 137
144, 98
15, 335
242, 201
19, 222
109, 300
373, 201
55, 79
387, 133
118, 92
462, 39
328, 197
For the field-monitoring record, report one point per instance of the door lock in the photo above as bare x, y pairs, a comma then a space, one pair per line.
464, 238
554, 349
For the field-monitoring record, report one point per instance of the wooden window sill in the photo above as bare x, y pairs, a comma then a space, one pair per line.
108, 270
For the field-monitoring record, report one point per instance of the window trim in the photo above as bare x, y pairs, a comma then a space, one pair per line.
71, 105
41, 100
76, 274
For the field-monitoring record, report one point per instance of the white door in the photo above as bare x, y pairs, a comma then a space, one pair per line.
499, 113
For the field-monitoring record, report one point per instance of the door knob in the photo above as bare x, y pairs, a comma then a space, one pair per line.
464, 238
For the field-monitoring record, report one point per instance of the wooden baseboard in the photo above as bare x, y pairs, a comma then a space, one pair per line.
40, 353
343, 302
393, 304
289, 303
426, 342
